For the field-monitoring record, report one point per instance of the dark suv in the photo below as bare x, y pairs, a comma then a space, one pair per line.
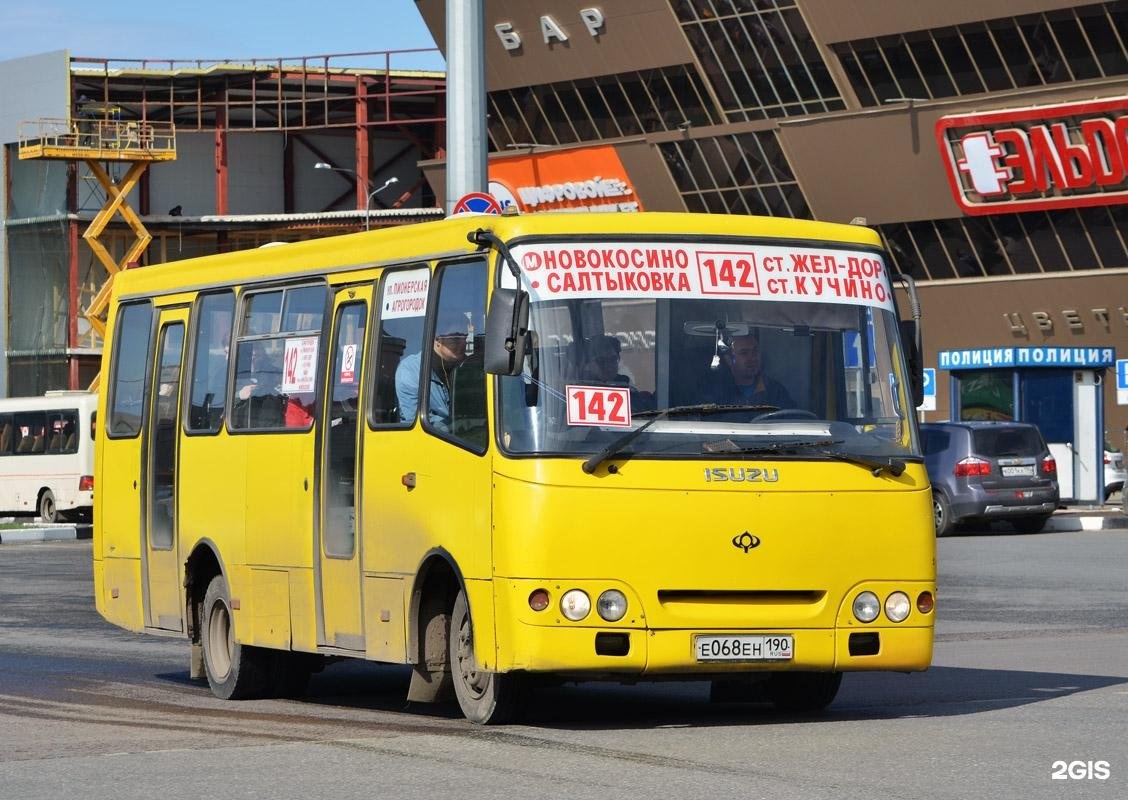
983, 471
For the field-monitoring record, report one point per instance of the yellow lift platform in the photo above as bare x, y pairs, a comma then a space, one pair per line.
98, 137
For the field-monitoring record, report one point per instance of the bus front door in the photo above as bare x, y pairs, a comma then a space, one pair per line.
160, 560
339, 580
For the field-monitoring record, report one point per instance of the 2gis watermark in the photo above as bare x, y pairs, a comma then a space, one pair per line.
1088, 770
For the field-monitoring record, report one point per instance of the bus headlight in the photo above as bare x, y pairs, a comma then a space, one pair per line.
897, 606
867, 607
612, 605
575, 605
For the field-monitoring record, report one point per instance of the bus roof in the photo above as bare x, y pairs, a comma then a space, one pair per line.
50, 400
428, 240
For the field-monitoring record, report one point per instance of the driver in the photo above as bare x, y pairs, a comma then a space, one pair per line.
748, 385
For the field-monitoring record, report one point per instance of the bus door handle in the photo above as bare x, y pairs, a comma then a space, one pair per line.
408, 480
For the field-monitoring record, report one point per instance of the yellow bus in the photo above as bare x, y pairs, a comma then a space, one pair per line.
512, 449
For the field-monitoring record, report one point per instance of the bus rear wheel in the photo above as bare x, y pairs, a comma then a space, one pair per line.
235, 671
486, 698
803, 692
48, 511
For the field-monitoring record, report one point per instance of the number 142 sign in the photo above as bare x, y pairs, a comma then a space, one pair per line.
599, 406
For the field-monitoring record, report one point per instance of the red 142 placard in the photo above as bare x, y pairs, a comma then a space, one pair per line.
599, 406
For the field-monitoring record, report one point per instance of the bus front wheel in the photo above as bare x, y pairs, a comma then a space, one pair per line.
487, 698
235, 671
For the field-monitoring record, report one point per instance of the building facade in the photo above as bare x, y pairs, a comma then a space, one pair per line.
986, 141
244, 138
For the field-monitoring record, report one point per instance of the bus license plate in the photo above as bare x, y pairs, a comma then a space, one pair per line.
744, 647
1018, 472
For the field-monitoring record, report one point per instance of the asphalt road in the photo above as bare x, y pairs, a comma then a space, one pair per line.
1031, 669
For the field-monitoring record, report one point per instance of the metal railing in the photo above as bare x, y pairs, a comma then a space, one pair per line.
98, 134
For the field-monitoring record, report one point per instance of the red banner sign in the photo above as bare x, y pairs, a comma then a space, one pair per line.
1041, 158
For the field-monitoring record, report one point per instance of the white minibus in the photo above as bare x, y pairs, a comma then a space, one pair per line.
47, 455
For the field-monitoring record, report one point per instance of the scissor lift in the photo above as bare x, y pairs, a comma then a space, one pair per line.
98, 137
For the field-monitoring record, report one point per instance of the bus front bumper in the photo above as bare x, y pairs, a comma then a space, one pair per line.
592, 652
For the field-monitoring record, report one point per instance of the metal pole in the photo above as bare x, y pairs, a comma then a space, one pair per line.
466, 99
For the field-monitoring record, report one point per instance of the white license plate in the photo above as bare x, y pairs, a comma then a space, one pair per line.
1019, 472
744, 647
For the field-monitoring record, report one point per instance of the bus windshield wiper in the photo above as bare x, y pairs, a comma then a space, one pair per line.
894, 466
705, 409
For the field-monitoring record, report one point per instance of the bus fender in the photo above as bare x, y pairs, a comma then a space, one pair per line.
437, 583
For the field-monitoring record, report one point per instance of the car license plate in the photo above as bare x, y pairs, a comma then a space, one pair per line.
744, 647
1019, 472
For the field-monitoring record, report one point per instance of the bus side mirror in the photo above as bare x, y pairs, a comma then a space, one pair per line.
507, 324
910, 340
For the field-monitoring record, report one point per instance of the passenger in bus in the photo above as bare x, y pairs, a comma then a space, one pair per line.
602, 358
742, 380
447, 353
299, 410
70, 437
258, 401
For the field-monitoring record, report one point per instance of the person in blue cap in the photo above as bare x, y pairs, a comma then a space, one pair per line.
448, 352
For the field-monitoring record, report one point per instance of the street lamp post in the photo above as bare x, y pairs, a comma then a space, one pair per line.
364, 183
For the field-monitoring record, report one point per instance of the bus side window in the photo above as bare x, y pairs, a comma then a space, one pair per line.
258, 377
457, 360
70, 432
29, 426
276, 348
402, 306
212, 335
132, 338
6, 435
385, 408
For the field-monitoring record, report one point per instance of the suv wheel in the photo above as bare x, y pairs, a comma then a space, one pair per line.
941, 513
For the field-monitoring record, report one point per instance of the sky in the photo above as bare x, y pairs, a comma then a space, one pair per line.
236, 30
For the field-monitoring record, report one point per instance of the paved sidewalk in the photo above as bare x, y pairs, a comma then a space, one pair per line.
1088, 518
43, 532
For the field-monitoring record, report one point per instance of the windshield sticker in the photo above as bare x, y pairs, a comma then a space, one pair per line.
405, 294
763, 272
299, 366
599, 406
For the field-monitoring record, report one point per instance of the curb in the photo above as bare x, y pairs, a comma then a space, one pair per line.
46, 533
1082, 521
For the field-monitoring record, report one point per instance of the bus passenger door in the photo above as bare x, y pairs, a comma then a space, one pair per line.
339, 579
160, 562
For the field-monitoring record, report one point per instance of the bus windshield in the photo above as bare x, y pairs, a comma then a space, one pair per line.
733, 350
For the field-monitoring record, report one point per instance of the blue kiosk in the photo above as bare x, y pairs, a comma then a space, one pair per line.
1056, 388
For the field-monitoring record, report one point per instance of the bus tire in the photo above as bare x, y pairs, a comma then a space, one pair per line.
803, 692
486, 698
48, 511
235, 671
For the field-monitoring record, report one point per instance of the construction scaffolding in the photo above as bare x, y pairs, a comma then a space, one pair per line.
126, 115
94, 141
